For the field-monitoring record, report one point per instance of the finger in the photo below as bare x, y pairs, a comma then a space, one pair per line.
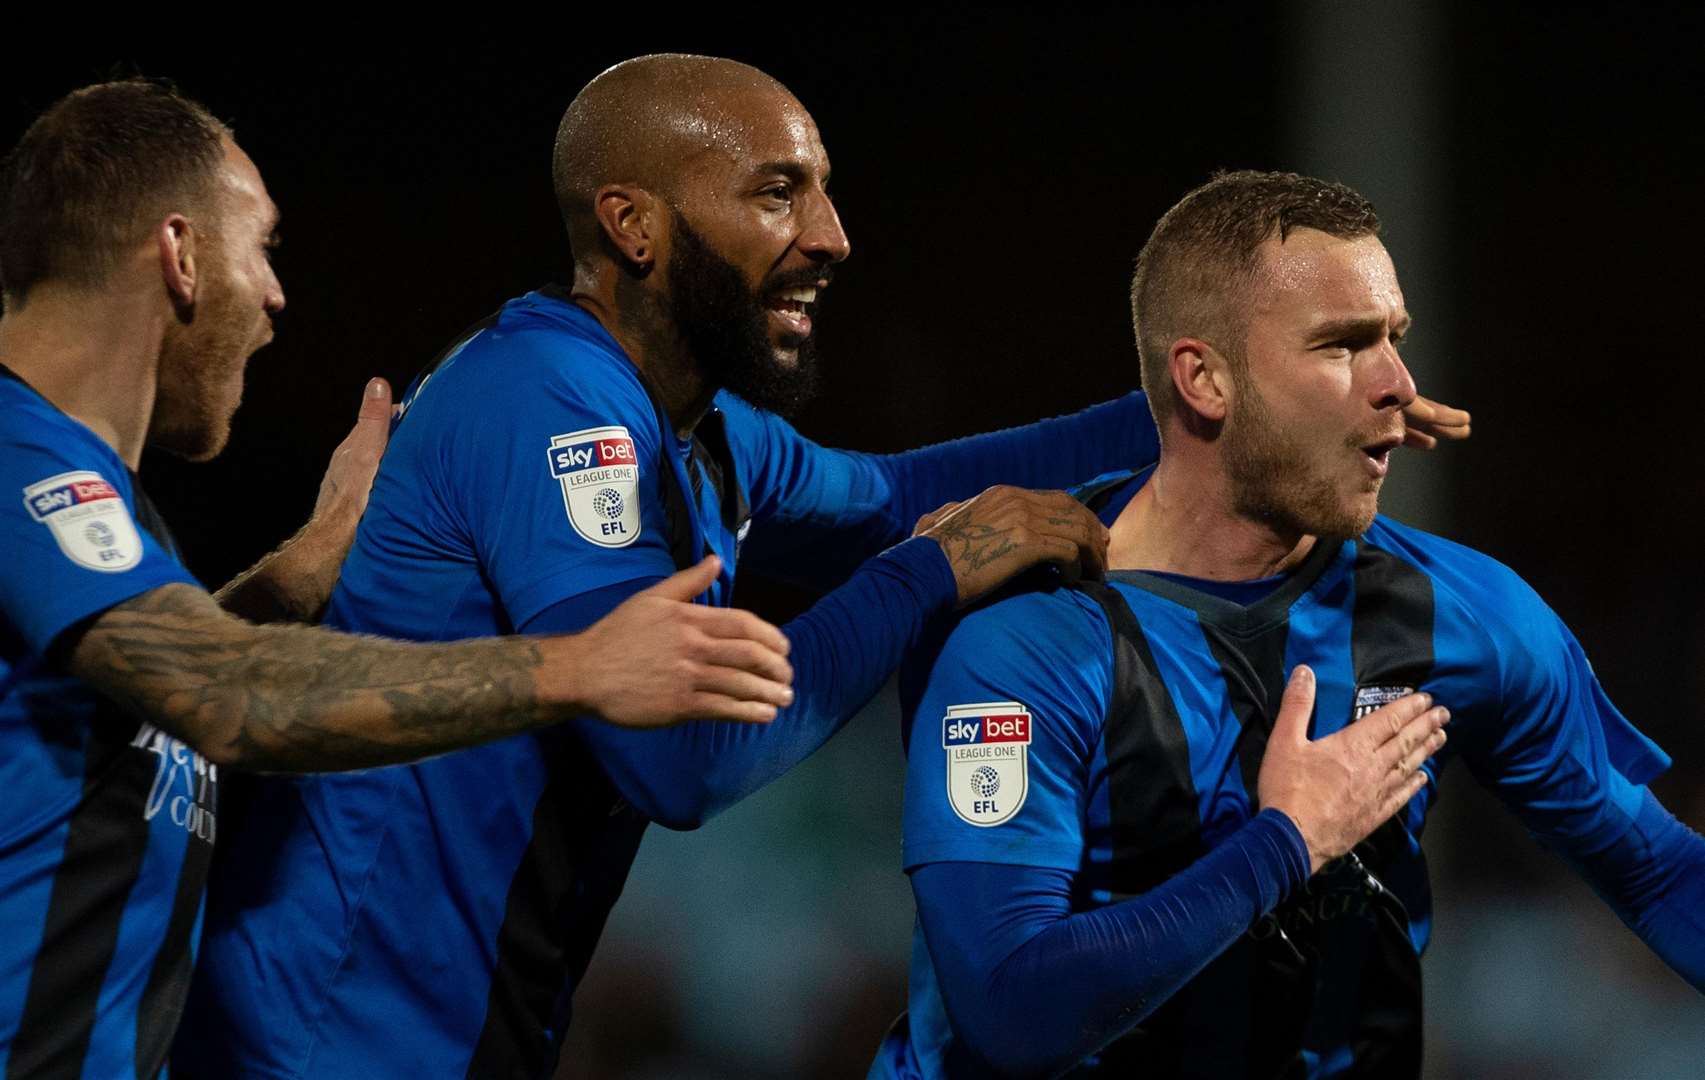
685, 585
742, 685
1416, 439
708, 706
929, 520
1404, 794
1401, 726
1297, 705
1438, 419
733, 623
749, 656
376, 402
1425, 747
1064, 516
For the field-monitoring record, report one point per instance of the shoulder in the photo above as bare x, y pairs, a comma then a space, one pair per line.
1485, 614
1461, 575
539, 353
1045, 647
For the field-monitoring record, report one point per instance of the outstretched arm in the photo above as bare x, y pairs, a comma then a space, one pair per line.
844, 648
295, 698
1653, 877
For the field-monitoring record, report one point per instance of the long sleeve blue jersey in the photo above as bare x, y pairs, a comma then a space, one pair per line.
433, 919
1097, 895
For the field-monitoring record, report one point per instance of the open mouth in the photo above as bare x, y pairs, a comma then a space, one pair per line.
791, 307
1379, 453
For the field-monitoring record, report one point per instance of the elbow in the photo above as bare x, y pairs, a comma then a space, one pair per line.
682, 803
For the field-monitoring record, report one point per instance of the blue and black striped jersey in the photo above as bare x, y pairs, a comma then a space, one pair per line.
109, 822
1145, 707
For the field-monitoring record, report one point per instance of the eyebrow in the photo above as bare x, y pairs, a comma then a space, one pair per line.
1357, 328
792, 170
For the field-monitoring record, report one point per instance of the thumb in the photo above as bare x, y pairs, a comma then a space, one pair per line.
1295, 708
684, 585
376, 403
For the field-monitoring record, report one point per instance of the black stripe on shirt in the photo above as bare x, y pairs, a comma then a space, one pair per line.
105, 843
1152, 805
570, 874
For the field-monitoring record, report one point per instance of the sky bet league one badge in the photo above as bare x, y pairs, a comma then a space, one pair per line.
600, 484
88, 520
988, 765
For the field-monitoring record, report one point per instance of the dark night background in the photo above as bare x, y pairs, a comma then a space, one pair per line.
1540, 172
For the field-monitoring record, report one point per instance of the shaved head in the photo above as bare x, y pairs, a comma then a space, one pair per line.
642, 121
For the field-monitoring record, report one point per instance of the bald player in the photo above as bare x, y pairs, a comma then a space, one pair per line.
575, 447
134, 238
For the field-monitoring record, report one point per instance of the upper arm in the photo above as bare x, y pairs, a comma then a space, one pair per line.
150, 653
1001, 739
550, 460
73, 546
1557, 751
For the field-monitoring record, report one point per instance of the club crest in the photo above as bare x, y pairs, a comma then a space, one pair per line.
1369, 698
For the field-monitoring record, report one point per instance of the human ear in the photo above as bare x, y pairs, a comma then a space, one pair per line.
628, 217
175, 238
1202, 377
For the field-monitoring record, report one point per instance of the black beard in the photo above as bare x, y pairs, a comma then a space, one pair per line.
725, 326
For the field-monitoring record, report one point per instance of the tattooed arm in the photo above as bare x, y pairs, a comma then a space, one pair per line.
294, 583
993, 537
295, 698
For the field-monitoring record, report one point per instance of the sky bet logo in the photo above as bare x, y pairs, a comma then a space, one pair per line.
988, 760
1010, 728
599, 474
88, 520
65, 496
590, 454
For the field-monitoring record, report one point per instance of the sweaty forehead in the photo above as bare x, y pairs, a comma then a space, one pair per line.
1312, 274
241, 186
740, 130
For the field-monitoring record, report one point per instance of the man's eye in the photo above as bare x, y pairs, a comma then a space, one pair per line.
780, 193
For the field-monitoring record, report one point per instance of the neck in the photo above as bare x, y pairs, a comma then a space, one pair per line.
634, 317
1184, 521
94, 354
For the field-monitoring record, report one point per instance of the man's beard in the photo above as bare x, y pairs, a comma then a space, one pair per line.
1275, 480
725, 325
192, 406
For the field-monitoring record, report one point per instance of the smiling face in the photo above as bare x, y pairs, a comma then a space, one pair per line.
237, 294
1317, 401
752, 238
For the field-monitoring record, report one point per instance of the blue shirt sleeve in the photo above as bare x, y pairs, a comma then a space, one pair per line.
1653, 877
1007, 719
1548, 742
1032, 987
1551, 745
73, 548
549, 477
803, 490
843, 649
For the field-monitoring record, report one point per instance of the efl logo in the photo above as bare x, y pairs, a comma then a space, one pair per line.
988, 760
591, 454
88, 520
599, 473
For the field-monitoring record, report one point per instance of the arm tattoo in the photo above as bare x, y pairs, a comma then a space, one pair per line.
975, 546
291, 698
